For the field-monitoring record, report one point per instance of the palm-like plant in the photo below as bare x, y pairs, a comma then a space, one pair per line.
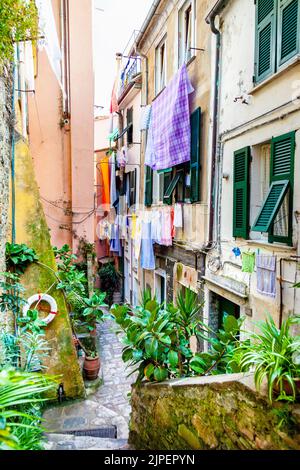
18, 389
275, 355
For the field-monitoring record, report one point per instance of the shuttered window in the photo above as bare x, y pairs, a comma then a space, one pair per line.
277, 35
148, 186
271, 206
172, 186
282, 168
288, 24
265, 38
241, 194
273, 210
195, 154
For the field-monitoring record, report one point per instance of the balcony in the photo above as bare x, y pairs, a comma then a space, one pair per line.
128, 75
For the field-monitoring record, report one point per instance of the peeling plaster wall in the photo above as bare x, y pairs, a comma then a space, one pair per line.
177, 415
243, 125
32, 229
5, 159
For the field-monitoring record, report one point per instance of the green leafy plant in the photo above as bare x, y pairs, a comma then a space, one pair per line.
19, 389
19, 257
32, 322
275, 356
157, 337
220, 357
11, 291
18, 21
92, 312
110, 281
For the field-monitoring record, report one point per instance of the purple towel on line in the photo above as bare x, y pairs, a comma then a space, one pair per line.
266, 274
169, 133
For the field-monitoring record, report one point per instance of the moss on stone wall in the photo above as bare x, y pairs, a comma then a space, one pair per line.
217, 415
32, 229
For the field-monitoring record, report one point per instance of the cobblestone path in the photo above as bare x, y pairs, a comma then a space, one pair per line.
108, 406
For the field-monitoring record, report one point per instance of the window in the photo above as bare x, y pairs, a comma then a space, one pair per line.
161, 65
186, 32
277, 35
160, 285
161, 180
132, 187
129, 127
271, 211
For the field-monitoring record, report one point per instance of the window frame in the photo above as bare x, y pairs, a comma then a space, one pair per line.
129, 127
276, 63
183, 57
159, 85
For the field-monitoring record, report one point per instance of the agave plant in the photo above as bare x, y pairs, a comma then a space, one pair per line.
275, 356
19, 389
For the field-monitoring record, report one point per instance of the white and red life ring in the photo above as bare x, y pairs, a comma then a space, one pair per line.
46, 298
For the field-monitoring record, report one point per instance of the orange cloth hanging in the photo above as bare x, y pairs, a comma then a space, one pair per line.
104, 165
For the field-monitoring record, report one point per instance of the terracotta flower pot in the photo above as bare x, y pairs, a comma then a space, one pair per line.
287, 387
91, 367
93, 332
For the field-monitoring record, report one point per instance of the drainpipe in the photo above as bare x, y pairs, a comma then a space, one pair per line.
211, 21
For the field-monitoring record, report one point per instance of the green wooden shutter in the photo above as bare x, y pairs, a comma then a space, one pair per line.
195, 154
167, 181
289, 29
265, 49
271, 206
282, 168
172, 186
241, 193
148, 186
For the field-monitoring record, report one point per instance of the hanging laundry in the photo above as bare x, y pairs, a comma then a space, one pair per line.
104, 230
113, 187
266, 274
172, 222
170, 124
145, 117
137, 241
122, 205
115, 245
236, 251
156, 230
178, 215
104, 165
149, 153
147, 251
248, 262
122, 157
133, 226
166, 236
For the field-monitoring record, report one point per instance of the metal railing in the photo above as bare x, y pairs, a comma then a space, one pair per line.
128, 74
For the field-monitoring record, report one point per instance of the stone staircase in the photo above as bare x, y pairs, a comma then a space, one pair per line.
72, 442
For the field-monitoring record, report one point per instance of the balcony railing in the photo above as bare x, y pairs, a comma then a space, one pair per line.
129, 72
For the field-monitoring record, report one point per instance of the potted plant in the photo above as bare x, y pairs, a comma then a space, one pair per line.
92, 313
275, 356
91, 365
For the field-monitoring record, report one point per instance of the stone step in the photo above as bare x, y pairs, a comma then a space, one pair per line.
71, 442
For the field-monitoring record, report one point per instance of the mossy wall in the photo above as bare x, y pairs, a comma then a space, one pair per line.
209, 413
32, 229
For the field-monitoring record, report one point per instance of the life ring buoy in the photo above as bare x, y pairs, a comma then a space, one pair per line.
47, 298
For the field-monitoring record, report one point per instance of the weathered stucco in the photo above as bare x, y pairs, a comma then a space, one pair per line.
5, 145
221, 412
32, 229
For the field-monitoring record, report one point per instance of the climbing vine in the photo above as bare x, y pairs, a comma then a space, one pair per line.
18, 21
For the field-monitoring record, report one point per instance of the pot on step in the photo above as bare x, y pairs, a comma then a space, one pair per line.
91, 367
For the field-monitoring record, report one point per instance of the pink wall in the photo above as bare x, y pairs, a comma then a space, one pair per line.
63, 156
82, 117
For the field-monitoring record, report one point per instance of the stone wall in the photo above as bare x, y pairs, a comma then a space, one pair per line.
5, 145
216, 412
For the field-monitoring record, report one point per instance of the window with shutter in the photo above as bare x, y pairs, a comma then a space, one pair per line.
195, 154
148, 186
172, 186
282, 168
271, 206
265, 38
241, 193
129, 126
288, 29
